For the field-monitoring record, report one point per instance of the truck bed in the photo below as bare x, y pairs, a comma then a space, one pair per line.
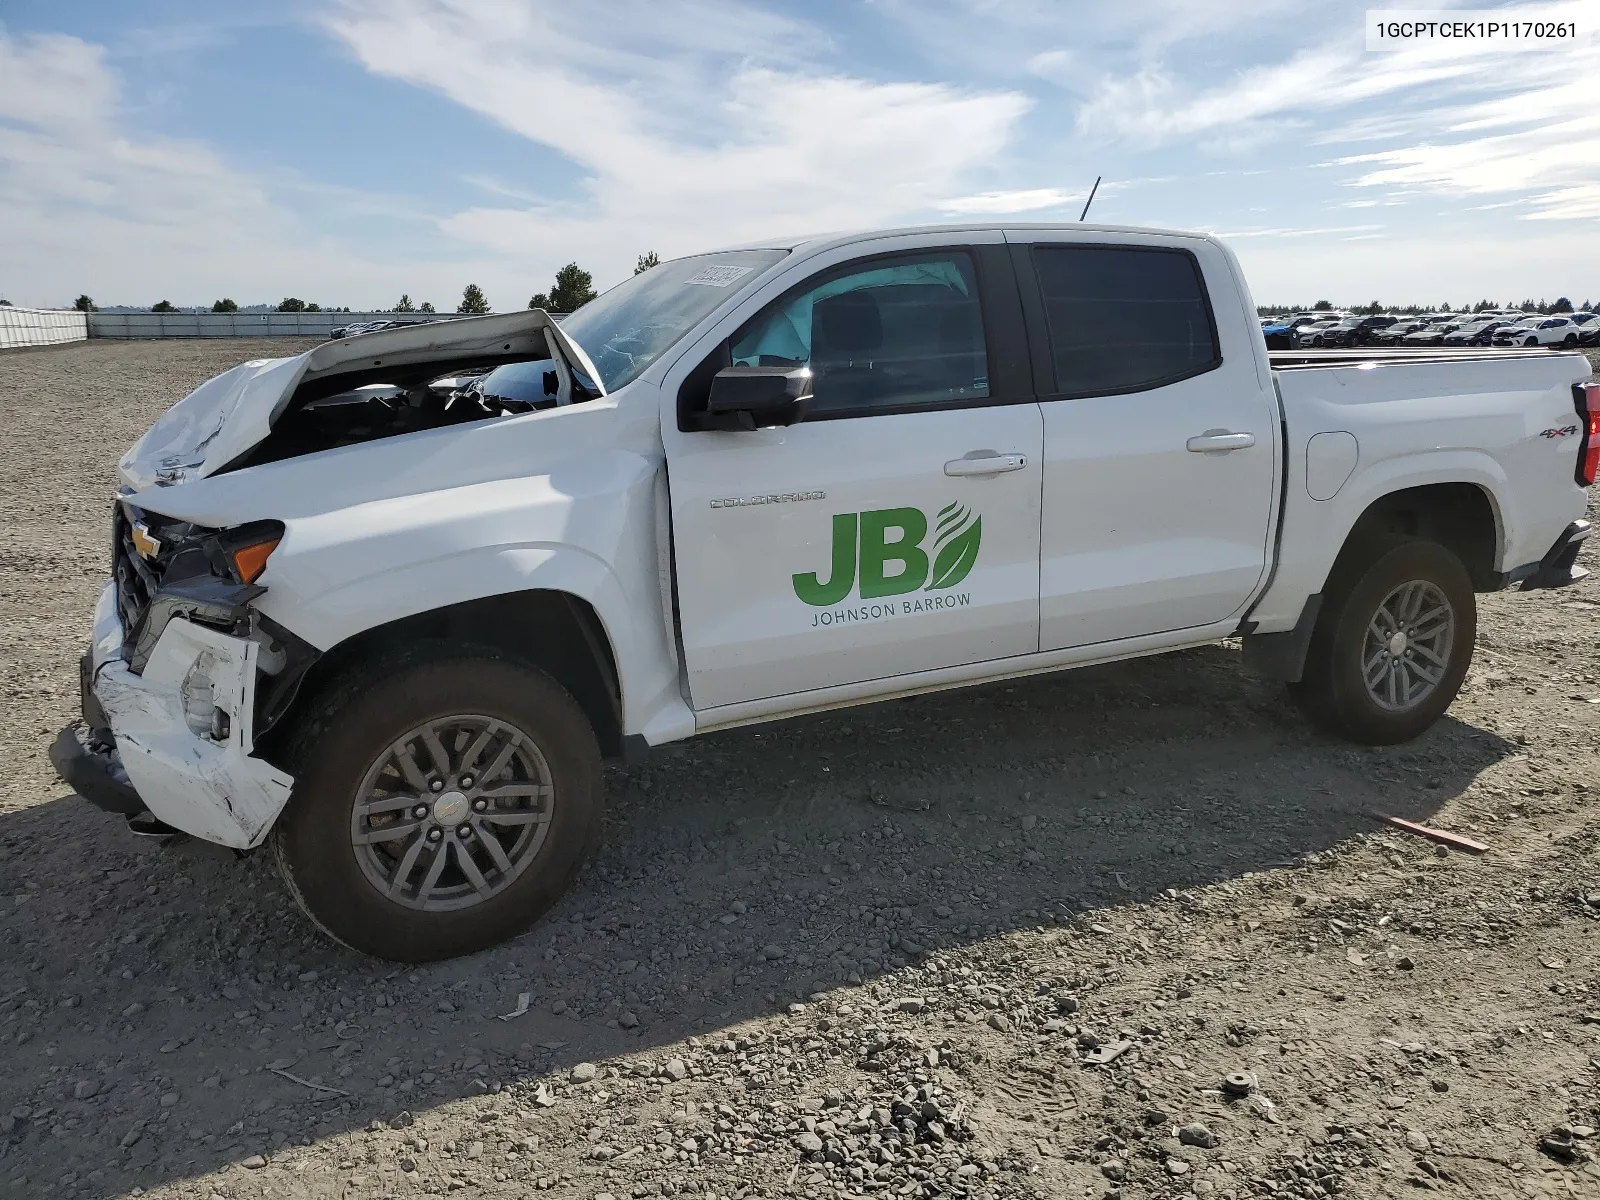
1364, 423
1289, 360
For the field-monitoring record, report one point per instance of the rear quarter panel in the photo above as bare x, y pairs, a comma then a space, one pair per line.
1492, 422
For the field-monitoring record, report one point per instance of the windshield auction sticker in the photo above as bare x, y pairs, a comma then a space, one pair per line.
720, 276
1457, 31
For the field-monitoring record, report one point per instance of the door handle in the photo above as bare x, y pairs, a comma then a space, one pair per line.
1219, 441
985, 462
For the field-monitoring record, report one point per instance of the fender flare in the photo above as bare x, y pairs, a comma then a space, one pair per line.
1305, 565
644, 663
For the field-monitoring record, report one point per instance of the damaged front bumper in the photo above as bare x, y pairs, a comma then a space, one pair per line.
175, 740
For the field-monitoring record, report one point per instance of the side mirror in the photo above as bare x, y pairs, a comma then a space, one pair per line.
757, 397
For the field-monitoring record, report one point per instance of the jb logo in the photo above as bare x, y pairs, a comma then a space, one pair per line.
883, 550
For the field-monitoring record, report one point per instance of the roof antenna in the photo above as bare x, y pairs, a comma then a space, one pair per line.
1090, 200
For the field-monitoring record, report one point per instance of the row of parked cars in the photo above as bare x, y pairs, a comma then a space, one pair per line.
1496, 327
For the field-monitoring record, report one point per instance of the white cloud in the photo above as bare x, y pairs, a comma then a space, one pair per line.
1061, 67
710, 122
1556, 163
1291, 232
1068, 43
73, 186
1457, 122
91, 206
690, 132
1544, 142
1019, 201
693, 127
1154, 106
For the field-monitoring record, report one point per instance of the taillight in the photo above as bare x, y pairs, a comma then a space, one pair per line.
1586, 398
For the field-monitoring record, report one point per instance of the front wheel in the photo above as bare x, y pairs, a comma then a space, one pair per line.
1392, 644
439, 807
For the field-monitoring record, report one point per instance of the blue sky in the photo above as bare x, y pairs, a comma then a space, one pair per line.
348, 150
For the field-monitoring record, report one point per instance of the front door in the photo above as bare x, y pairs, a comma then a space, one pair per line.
896, 528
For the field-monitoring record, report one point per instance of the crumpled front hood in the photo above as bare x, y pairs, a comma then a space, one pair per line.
227, 416
212, 425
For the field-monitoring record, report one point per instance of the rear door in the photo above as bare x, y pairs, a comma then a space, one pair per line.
896, 528
1160, 435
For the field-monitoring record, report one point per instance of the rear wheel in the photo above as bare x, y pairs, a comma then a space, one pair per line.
441, 807
1570, 340
1392, 643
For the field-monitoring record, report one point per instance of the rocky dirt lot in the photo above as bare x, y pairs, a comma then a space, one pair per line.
1128, 932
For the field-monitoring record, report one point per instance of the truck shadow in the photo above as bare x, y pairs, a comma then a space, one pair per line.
166, 1015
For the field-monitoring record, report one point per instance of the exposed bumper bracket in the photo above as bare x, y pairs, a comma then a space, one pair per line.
1557, 568
94, 773
214, 602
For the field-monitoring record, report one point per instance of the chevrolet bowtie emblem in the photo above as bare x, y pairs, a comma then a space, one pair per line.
147, 546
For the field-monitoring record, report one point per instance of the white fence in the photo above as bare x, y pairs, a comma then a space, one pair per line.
238, 325
40, 326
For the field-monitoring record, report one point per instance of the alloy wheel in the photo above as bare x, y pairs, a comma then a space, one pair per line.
452, 812
1407, 648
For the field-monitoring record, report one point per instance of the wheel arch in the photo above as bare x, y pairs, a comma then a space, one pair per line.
1462, 517
556, 631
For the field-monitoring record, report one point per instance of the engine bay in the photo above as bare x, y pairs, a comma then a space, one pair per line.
378, 402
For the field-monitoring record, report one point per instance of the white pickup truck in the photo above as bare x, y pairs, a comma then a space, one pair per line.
387, 604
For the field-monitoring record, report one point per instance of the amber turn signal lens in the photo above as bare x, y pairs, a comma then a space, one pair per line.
250, 561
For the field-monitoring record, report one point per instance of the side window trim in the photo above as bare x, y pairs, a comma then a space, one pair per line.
1038, 324
868, 262
1000, 309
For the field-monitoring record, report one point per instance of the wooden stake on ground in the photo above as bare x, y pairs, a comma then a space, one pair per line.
1443, 836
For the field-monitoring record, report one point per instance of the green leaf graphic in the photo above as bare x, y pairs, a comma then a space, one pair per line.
951, 517
957, 555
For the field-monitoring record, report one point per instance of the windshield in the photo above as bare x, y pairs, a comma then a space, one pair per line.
632, 325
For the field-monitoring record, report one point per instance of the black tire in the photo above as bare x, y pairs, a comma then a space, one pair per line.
1570, 340
350, 733
1333, 692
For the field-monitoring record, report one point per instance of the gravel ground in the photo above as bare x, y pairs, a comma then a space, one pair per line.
1129, 931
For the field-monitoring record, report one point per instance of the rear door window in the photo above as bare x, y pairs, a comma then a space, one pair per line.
1124, 318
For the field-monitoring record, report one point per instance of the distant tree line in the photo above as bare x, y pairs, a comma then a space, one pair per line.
572, 289
1559, 305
